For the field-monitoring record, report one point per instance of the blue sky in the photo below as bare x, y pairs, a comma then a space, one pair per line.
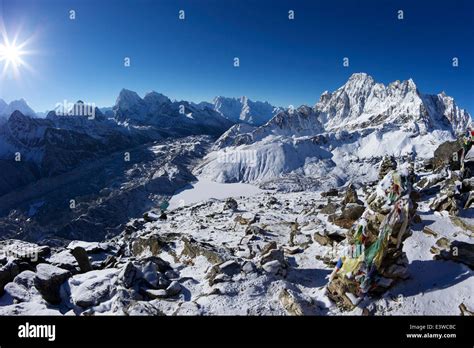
282, 61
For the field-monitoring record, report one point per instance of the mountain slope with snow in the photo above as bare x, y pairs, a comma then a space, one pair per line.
16, 105
245, 110
178, 117
357, 124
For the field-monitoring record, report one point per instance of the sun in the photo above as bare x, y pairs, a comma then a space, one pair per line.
11, 55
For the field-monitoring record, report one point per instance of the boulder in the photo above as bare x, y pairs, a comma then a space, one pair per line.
193, 248
331, 193
22, 288
7, 273
230, 204
150, 243
156, 293
350, 214
129, 275
48, 281
173, 289
444, 153
461, 252
329, 208
229, 268
254, 229
290, 303
387, 165
272, 267
350, 196
80, 254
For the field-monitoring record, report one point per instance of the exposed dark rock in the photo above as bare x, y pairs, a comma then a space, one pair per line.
48, 281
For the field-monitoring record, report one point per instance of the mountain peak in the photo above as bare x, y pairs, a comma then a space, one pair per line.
155, 97
360, 76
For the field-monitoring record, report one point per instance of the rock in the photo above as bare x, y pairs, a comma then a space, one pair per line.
272, 201
189, 309
290, 303
268, 247
248, 267
445, 202
130, 275
350, 214
331, 193
444, 153
293, 250
272, 255
150, 273
173, 289
469, 200
82, 259
388, 164
93, 288
322, 239
162, 265
193, 248
22, 288
17, 292
429, 231
328, 239
48, 281
153, 293
459, 252
7, 273
254, 229
64, 259
272, 267
350, 195
230, 204
417, 219
329, 208
443, 243
465, 311
142, 308
89, 247
150, 243
229, 268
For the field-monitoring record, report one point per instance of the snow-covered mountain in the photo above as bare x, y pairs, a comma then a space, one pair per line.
176, 117
244, 110
341, 137
21, 105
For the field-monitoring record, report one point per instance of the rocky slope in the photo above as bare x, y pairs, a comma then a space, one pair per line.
269, 254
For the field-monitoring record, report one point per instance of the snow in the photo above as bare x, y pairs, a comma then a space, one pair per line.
205, 189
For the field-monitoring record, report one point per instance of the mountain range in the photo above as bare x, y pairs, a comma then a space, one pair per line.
328, 143
6, 109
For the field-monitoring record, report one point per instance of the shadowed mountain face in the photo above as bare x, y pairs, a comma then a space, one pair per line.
178, 118
109, 167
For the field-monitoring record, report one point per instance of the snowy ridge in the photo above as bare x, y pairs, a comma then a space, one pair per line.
245, 110
16, 105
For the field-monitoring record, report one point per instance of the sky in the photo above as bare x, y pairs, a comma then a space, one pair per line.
282, 61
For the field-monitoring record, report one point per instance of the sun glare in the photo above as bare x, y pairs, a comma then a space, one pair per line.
11, 55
